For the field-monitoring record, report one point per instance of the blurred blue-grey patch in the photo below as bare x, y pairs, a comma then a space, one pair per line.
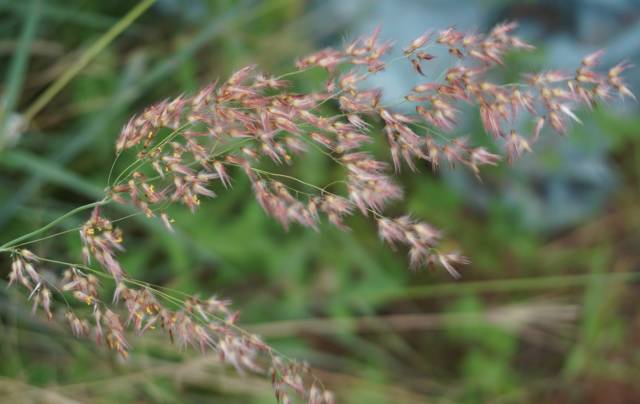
567, 179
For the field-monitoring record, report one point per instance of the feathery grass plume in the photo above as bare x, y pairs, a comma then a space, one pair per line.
251, 117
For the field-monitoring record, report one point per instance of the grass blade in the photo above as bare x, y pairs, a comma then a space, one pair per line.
62, 14
51, 171
86, 57
17, 69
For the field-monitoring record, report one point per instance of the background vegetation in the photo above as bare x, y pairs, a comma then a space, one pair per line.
544, 313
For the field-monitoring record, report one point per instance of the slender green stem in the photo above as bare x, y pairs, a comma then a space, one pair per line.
87, 57
7, 246
17, 69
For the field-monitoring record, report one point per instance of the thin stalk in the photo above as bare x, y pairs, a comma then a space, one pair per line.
7, 246
19, 62
502, 285
87, 57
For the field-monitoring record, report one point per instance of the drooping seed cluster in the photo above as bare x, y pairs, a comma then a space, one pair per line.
420, 238
190, 145
203, 324
23, 270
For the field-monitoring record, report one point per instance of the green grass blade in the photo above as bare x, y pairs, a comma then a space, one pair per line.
17, 69
528, 284
60, 14
86, 57
28, 162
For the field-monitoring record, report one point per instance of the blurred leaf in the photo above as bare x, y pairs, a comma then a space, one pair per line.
18, 67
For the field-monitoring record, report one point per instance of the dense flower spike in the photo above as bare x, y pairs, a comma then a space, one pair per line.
190, 145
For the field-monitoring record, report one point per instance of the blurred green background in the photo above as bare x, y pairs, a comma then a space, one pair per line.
546, 312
